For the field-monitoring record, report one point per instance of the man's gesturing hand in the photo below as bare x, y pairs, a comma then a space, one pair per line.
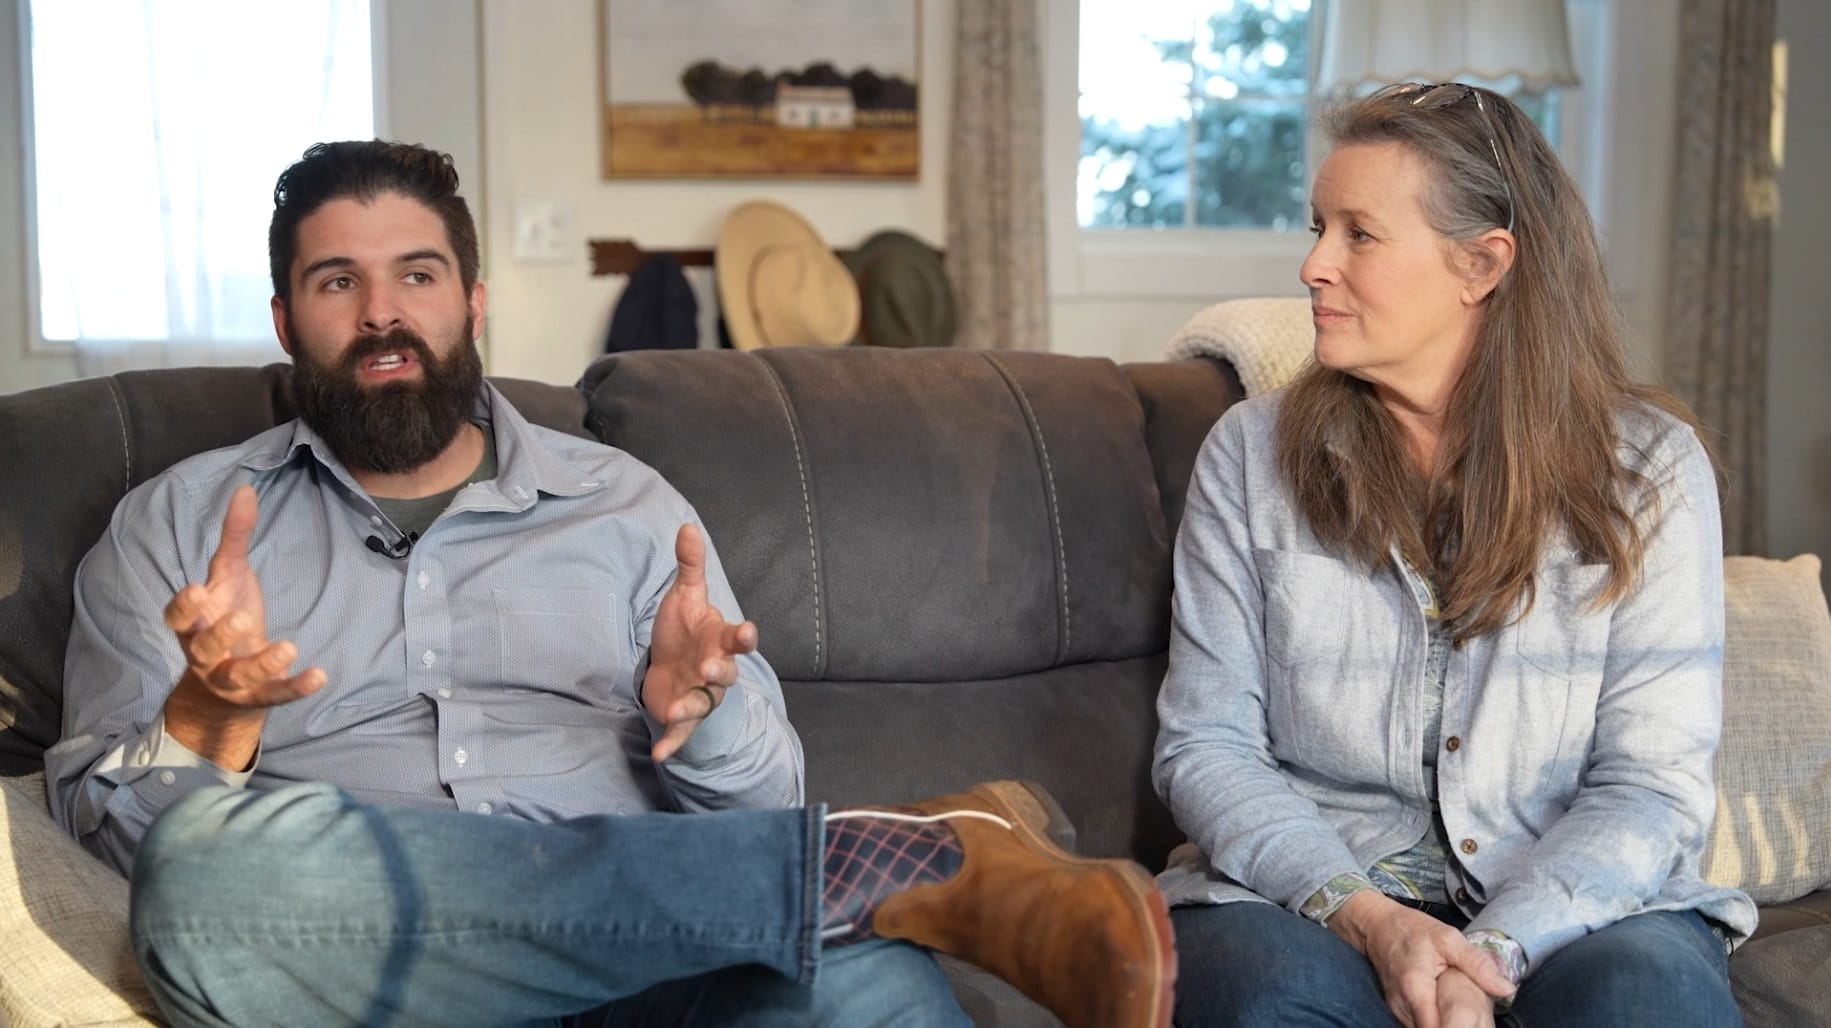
232, 673
692, 645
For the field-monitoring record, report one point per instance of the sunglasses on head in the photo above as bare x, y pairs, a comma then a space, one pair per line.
1436, 97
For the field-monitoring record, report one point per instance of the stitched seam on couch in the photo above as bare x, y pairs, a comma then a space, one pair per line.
807, 504
120, 415
1055, 514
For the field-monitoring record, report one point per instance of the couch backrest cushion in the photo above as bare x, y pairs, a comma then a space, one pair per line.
69, 452
910, 515
1182, 400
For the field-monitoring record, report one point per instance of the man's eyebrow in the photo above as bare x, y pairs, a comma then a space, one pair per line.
423, 255
320, 265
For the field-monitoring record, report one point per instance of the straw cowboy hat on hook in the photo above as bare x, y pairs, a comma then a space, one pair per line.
779, 284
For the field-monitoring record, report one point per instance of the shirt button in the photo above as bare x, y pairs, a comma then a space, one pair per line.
460, 757
1453, 743
428, 658
1462, 895
375, 519
1468, 845
444, 693
484, 808
425, 580
167, 778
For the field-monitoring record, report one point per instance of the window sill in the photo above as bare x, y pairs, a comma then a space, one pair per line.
1183, 263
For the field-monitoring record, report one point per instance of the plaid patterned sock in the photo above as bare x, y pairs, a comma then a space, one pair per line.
871, 856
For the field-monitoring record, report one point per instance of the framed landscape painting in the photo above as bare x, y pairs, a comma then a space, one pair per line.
760, 88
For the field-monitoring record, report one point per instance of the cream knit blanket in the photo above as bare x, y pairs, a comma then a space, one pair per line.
1267, 339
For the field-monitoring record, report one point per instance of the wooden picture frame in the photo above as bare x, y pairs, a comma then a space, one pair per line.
760, 88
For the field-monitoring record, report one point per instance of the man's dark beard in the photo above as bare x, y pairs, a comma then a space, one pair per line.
395, 427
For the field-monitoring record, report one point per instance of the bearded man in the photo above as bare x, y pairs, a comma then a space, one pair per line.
522, 657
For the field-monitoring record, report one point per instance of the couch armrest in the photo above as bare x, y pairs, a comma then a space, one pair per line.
63, 914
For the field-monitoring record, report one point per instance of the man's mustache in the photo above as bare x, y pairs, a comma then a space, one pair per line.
365, 346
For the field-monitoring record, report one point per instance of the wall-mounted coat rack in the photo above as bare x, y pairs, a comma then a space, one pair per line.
623, 257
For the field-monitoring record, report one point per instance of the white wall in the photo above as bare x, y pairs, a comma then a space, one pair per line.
541, 142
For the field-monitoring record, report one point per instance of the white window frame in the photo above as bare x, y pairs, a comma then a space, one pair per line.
36, 343
1613, 65
438, 99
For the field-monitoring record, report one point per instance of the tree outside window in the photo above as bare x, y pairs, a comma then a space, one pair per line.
1193, 114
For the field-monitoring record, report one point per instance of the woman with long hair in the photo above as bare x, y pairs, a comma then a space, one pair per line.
1445, 672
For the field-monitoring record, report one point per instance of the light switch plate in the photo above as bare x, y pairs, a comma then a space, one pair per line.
544, 232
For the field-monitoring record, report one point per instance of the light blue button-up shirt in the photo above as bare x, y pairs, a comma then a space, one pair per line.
494, 668
1579, 790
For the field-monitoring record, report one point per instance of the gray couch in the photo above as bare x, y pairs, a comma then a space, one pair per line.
959, 563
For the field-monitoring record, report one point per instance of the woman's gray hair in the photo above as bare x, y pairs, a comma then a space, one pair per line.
1457, 131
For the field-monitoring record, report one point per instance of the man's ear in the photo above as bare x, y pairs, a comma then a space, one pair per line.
476, 305
1487, 258
279, 324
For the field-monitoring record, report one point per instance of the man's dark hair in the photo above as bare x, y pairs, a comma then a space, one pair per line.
365, 169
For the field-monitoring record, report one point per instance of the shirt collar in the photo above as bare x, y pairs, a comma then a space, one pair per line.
525, 468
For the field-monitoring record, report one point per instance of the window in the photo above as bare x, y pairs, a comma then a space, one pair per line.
1193, 114
154, 132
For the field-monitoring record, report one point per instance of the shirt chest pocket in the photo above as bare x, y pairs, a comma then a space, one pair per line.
560, 640
1305, 596
1331, 643
1565, 634
1561, 646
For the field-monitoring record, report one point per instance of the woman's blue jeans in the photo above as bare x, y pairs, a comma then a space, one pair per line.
302, 906
1261, 965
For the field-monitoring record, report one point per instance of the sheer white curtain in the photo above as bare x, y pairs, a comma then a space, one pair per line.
158, 128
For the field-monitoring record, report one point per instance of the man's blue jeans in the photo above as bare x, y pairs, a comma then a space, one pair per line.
1259, 964
302, 906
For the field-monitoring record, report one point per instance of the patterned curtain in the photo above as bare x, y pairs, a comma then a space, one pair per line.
1726, 199
995, 249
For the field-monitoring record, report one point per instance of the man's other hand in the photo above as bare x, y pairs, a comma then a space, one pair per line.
693, 650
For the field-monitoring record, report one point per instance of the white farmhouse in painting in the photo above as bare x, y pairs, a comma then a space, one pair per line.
813, 107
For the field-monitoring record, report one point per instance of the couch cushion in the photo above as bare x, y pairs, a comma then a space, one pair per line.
1182, 400
1083, 732
1774, 764
66, 960
1808, 911
910, 515
1784, 981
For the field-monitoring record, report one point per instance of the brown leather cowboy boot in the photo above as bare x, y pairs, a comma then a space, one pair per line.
1088, 939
